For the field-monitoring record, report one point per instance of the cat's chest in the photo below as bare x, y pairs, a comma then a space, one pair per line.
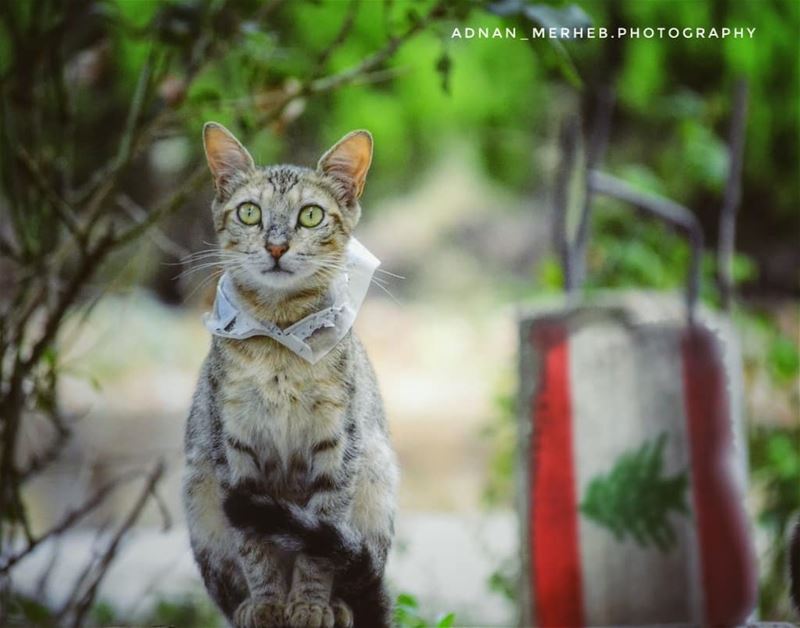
281, 413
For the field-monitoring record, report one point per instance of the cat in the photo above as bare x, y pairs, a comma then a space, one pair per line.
290, 479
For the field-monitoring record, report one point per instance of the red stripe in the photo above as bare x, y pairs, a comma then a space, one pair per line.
728, 567
556, 577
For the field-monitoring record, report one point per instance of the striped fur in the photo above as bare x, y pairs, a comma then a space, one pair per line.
289, 488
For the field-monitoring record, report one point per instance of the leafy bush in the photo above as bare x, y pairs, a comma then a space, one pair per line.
407, 614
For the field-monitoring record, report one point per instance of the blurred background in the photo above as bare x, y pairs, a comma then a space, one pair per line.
104, 194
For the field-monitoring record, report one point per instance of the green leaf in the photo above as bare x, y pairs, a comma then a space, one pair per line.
407, 600
50, 356
447, 621
103, 614
784, 359
743, 268
550, 275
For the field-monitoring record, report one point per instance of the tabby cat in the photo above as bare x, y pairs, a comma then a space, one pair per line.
289, 487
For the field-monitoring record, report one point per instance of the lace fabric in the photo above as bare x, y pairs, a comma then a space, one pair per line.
313, 336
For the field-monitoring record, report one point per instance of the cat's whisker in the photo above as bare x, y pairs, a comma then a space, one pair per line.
373, 278
386, 272
196, 269
202, 252
331, 268
225, 259
378, 282
203, 283
212, 249
218, 254
187, 261
387, 291
201, 256
239, 264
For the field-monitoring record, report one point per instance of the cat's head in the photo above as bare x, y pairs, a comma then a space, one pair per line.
285, 228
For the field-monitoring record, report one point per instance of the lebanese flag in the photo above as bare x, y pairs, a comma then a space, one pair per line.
633, 512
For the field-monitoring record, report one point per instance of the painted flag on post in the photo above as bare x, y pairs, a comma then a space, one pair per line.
631, 503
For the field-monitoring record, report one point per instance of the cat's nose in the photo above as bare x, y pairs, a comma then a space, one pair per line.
276, 250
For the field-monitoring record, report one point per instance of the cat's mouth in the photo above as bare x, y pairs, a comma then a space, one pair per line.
276, 270
276, 275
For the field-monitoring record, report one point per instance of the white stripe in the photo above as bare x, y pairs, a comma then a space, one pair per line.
627, 389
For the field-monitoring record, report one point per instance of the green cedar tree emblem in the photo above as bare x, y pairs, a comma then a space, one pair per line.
635, 498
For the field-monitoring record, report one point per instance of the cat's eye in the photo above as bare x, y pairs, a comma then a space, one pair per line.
310, 216
249, 213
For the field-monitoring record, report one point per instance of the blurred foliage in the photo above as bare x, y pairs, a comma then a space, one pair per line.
504, 580
182, 612
24, 611
674, 103
186, 611
672, 116
502, 95
193, 611
642, 253
772, 361
501, 431
407, 614
775, 469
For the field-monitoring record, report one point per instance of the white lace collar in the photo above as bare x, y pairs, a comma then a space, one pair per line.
316, 334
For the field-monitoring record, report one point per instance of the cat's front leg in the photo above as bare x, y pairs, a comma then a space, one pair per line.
260, 563
259, 559
329, 496
309, 604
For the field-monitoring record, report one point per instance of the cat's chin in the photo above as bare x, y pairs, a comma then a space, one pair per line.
276, 280
283, 280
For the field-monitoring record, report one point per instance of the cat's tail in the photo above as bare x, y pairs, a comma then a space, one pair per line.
358, 562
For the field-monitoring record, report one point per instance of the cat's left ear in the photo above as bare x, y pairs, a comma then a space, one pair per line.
348, 162
225, 154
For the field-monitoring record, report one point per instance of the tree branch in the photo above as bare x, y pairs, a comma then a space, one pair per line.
160, 239
49, 455
63, 210
344, 32
344, 77
85, 590
68, 520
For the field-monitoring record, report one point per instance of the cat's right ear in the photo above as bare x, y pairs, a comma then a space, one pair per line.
225, 155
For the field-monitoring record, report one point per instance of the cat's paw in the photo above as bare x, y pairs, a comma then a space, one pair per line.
259, 613
342, 615
304, 614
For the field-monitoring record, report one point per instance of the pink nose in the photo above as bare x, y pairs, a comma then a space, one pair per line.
276, 250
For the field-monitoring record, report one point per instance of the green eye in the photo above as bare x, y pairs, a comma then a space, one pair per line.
311, 215
249, 213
